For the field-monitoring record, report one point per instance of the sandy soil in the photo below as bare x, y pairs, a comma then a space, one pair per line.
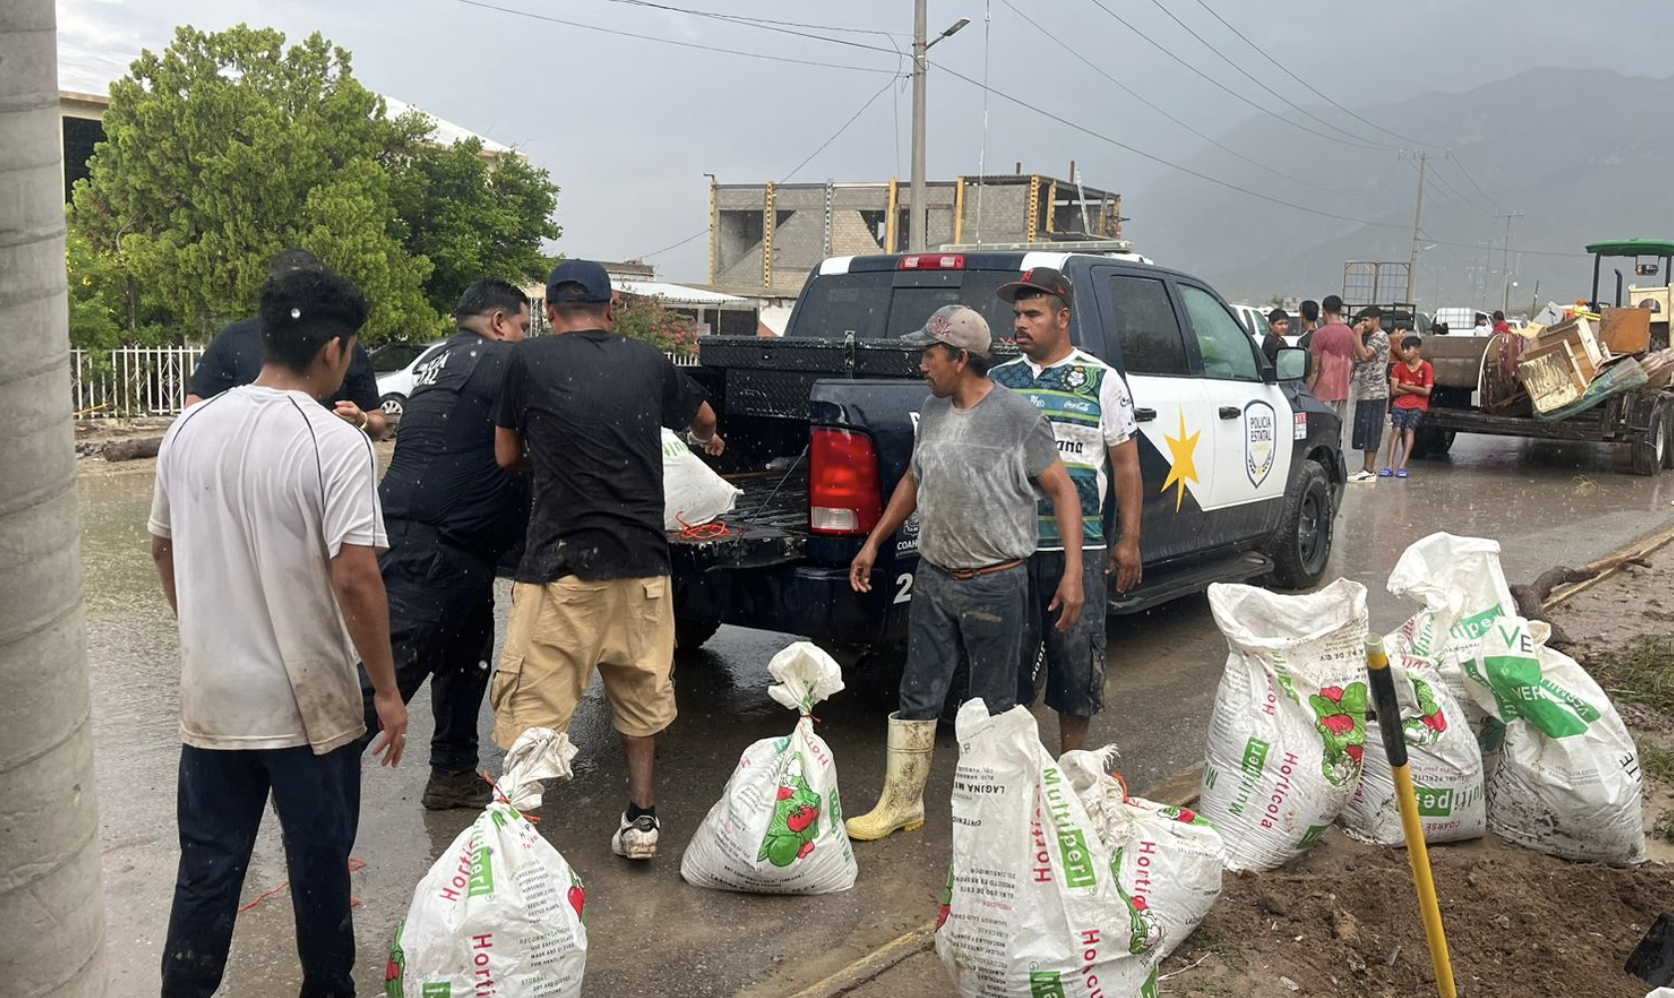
1345, 920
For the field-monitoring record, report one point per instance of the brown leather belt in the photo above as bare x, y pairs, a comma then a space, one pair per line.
967, 574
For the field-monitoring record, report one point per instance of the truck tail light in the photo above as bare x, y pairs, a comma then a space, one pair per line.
932, 261
844, 496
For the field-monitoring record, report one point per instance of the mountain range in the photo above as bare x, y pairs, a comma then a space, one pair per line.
1585, 155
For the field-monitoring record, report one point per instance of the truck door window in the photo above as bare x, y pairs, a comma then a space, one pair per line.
1147, 327
1226, 347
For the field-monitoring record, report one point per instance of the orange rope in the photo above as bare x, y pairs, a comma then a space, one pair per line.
704, 531
355, 866
533, 819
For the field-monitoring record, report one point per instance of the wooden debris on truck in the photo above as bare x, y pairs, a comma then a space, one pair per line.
1625, 375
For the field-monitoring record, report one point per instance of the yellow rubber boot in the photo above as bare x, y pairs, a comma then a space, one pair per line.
901, 805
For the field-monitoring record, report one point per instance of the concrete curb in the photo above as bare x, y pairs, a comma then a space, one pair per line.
1179, 790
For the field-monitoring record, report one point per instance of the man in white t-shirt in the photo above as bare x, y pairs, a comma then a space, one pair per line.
266, 529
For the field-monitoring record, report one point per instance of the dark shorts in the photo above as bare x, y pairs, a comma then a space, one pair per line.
983, 619
1070, 664
1406, 419
1369, 416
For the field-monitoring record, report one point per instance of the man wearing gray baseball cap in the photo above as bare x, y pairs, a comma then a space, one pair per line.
981, 451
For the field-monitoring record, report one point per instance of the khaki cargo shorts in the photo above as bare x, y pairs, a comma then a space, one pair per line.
560, 632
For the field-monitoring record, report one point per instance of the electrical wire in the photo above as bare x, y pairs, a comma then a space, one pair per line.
760, 21
1466, 173
1286, 70
1136, 96
1467, 202
1337, 139
1042, 112
1299, 109
691, 45
674, 246
843, 128
982, 151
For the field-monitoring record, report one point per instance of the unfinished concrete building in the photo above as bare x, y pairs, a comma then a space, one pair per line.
769, 236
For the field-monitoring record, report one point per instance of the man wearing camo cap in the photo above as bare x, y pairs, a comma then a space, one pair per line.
981, 451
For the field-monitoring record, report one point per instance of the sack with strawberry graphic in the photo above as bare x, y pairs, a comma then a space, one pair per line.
1168, 859
1035, 904
500, 912
1568, 781
778, 827
1288, 731
1463, 589
1443, 756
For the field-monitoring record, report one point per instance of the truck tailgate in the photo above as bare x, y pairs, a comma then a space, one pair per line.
768, 526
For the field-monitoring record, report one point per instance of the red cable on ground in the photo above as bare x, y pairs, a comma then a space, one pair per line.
355, 866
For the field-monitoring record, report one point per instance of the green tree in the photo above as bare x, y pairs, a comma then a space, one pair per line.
229, 147
472, 218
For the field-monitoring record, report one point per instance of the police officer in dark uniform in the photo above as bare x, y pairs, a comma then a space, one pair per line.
234, 357
452, 513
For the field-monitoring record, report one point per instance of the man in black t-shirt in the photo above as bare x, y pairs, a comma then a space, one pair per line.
234, 357
451, 511
584, 409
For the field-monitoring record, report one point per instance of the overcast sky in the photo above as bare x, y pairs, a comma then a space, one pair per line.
628, 127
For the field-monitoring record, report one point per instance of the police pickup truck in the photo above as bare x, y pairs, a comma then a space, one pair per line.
1242, 471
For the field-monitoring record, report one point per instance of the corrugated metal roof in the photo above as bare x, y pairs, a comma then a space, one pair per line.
678, 294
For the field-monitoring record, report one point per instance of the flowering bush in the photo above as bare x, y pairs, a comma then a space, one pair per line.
647, 319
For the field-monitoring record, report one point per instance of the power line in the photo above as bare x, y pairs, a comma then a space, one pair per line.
1286, 70
1430, 179
1251, 77
688, 45
760, 21
674, 246
1231, 92
869, 102
1467, 202
1136, 96
1042, 112
1466, 173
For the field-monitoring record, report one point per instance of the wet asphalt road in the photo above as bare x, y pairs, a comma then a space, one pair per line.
651, 933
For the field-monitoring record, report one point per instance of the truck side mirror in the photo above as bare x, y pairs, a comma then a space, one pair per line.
1292, 363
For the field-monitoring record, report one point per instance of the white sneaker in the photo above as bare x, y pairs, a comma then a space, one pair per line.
636, 839
1363, 476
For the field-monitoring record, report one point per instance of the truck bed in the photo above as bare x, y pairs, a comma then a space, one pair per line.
767, 526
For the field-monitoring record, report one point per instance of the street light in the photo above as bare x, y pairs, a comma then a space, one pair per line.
918, 219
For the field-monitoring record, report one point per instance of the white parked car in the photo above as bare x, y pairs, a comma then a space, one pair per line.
1254, 320
395, 364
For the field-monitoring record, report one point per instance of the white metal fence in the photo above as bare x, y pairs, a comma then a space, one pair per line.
131, 381
151, 381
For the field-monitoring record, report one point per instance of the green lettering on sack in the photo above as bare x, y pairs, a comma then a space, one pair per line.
1045, 984
1521, 691
1476, 625
1434, 802
482, 873
1255, 756
438, 989
1078, 865
1312, 837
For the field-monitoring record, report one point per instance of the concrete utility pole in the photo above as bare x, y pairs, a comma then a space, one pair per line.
1417, 224
918, 216
51, 894
1505, 262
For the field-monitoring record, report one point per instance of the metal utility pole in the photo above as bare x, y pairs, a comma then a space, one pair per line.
1505, 262
917, 218
51, 895
1417, 225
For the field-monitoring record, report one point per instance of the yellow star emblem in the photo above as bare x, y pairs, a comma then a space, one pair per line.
1184, 454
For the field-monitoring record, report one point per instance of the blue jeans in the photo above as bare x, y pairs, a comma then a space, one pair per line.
441, 627
219, 808
984, 618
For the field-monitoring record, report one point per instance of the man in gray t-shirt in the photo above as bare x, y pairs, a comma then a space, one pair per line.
982, 450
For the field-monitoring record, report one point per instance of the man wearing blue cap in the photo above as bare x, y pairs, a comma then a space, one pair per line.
584, 410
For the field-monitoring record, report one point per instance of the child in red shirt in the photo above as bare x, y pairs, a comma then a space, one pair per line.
1410, 383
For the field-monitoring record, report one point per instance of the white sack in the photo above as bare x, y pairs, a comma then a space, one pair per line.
1568, 781
1442, 755
1288, 730
1032, 907
778, 827
500, 912
692, 491
1169, 859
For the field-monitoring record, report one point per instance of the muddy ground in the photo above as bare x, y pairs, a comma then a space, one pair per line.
1345, 920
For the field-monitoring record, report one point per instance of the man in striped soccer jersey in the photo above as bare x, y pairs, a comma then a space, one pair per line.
1087, 404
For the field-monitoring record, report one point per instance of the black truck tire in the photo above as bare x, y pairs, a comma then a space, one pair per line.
1302, 545
1647, 453
691, 632
1668, 437
1430, 442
